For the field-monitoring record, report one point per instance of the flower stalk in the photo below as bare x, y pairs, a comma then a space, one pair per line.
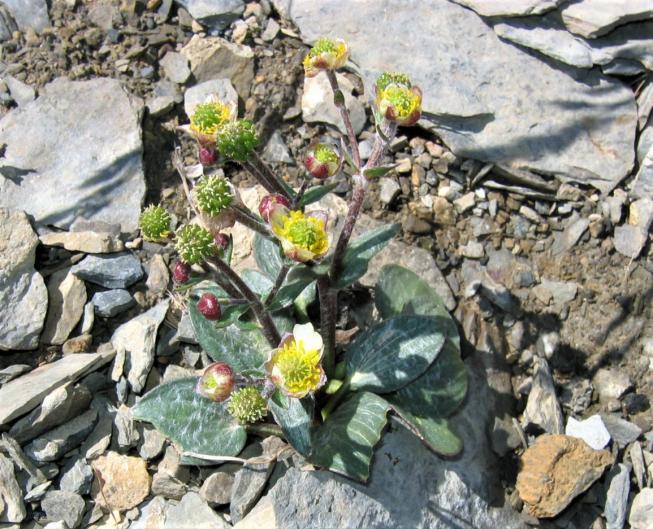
339, 101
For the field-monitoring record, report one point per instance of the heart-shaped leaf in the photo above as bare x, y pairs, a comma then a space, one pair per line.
393, 353
295, 416
257, 281
268, 256
428, 400
401, 291
345, 442
361, 250
316, 193
298, 278
242, 348
305, 298
195, 423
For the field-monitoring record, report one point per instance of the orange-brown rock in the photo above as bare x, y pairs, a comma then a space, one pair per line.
556, 469
121, 483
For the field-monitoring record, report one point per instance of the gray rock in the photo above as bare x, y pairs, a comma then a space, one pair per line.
611, 384
216, 14
248, 486
38, 492
542, 407
84, 241
591, 430
641, 512
25, 393
61, 505
622, 432
77, 477
216, 58
152, 442
566, 240
12, 508
127, 435
510, 8
110, 271
160, 105
193, 512
216, 489
629, 240
222, 88
175, 66
644, 105
558, 292
135, 343
58, 407
99, 439
97, 168
54, 444
13, 371
271, 30
639, 466
389, 189
21, 93
501, 122
167, 486
318, 107
592, 19
152, 516
616, 504
67, 296
89, 318
29, 14
643, 184
110, 303
23, 296
8, 25
276, 150
158, 275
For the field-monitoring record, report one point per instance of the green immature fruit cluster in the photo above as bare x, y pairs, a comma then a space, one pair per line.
213, 195
194, 244
247, 405
237, 139
154, 223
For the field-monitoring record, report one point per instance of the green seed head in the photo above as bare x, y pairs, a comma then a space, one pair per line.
208, 117
388, 78
237, 139
247, 405
213, 195
194, 244
154, 223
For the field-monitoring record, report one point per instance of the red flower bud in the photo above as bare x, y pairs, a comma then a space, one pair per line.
268, 202
221, 241
322, 160
217, 382
181, 273
209, 306
208, 156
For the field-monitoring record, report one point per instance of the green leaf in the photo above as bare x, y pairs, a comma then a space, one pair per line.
315, 193
268, 256
361, 250
427, 401
231, 313
298, 278
376, 172
401, 291
393, 353
345, 442
258, 282
229, 250
295, 416
305, 298
242, 349
195, 423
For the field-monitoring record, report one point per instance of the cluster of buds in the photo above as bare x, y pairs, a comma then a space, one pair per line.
155, 223
195, 244
237, 139
247, 405
397, 99
213, 195
326, 54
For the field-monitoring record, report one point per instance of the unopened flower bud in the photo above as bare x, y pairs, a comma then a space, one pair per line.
194, 244
221, 241
397, 99
181, 273
217, 382
237, 139
322, 160
209, 306
213, 195
326, 54
268, 202
247, 405
155, 223
208, 156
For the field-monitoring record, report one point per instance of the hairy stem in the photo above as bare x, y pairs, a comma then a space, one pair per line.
264, 168
335, 400
222, 281
355, 206
178, 164
344, 114
261, 178
328, 314
269, 328
246, 219
265, 429
281, 277
299, 195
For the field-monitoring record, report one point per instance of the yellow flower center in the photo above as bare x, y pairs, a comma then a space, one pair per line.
208, 117
402, 99
309, 233
299, 368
